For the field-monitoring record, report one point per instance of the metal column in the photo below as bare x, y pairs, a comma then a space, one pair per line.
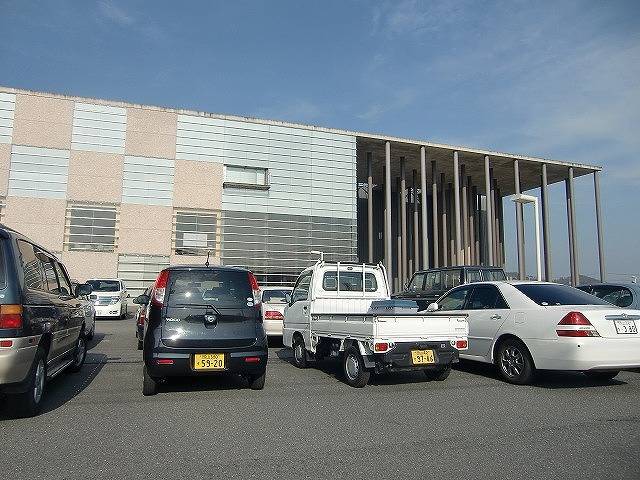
519, 223
465, 218
570, 232
456, 205
576, 250
416, 229
443, 205
387, 205
488, 229
434, 213
596, 189
423, 209
370, 205
544, 194
453, 257
472, 228
403, 220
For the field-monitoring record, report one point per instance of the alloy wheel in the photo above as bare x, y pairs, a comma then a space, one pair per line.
512, 362
38, 386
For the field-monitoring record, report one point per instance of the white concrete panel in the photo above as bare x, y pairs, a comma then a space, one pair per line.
38, 172
99, 128
7, 112
148, 180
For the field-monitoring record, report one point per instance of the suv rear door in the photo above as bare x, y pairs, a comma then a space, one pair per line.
209, 308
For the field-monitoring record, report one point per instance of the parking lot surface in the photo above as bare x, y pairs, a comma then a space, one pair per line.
308, 424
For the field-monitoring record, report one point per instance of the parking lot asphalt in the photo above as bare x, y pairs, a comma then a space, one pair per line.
308, 424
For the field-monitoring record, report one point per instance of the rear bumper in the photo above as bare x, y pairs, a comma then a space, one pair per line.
585, 354
400, 358
273, 328
16, 360
114, 310
183, 363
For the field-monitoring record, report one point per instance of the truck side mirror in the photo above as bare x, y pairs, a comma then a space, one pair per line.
432, 307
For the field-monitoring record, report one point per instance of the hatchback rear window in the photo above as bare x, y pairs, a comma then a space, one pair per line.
3, 273
276, 296
552, 295
220, 288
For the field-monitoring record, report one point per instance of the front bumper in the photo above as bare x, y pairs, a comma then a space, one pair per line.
183, 364
583, 354
400, 359
16, 360
114, 310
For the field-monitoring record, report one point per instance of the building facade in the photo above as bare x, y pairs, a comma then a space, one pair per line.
122, 190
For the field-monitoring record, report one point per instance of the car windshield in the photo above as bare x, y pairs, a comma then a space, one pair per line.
220, 288
494, 275
276, 296
104, 285
548, 294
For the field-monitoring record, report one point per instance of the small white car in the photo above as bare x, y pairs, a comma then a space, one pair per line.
522, 327
274, 301
109, 297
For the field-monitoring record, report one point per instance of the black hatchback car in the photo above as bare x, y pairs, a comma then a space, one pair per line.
203, 321
42, 321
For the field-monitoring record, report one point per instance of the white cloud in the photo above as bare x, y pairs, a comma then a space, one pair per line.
115, 13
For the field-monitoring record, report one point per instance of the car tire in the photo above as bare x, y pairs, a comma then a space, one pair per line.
149, 384
79, 353
602, 376
438, 374
29, 402
299, 352
256, 382
353, 368
514, 362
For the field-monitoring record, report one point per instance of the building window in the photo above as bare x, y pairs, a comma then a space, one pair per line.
139, 272
194, 232
246, 177
91, 227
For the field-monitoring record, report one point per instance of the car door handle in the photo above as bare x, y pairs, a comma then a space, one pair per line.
495, 317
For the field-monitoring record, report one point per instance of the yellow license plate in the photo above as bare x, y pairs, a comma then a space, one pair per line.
422, 357
208, 361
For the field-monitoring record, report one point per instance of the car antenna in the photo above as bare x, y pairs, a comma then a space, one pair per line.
206, 264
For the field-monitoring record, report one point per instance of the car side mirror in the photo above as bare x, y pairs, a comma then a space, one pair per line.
141, 299
83, 289
432, 307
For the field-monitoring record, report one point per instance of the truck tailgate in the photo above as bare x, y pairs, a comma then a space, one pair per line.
431, 326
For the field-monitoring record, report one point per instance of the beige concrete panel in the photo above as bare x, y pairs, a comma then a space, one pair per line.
145, 229
84, 265
40, 219
95, 176
5, 163
193, 260
151, 133
198, 185
42, 121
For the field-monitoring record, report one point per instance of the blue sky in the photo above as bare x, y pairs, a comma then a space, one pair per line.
555, 79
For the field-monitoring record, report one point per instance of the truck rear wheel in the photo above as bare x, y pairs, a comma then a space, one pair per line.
355, 373
299, 351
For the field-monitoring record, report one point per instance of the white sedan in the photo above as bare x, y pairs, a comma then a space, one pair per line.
525, 326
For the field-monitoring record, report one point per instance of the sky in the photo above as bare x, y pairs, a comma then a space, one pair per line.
554, 79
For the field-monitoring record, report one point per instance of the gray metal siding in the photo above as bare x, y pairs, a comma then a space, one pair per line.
140, 271
99, 128
310, 171
148, 180
38, 172
7, 111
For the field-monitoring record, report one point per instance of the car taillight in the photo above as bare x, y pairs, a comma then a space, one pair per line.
252, 359
273, 315
10, 316
381, 347
462, 344
141, 318
255, 288
159, 288
575, 324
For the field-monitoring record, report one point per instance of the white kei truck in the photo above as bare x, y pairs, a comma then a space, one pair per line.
344, 310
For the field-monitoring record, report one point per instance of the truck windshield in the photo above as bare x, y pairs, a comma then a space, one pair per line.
548, 294
349, 282
104, 285
220, 288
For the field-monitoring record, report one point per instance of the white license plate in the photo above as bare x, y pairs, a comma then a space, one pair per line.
625, 326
